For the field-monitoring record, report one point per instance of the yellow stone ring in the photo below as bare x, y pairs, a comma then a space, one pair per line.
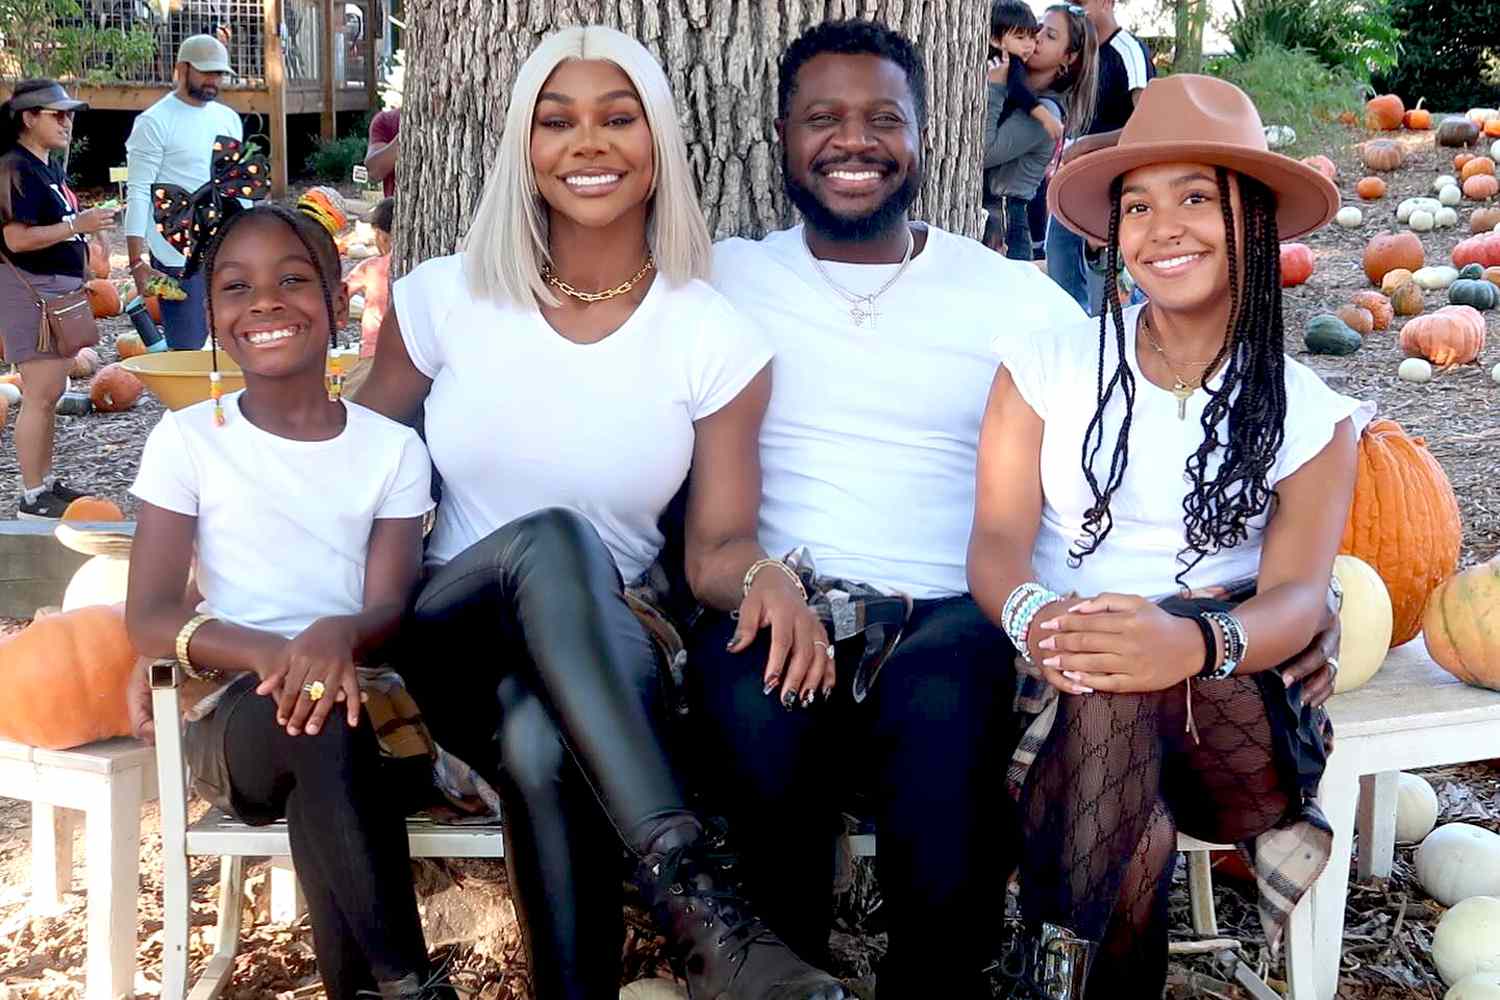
313, 690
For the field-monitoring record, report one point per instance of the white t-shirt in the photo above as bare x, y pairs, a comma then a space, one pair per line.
520, 418
869, 442
283, 526
1057, 376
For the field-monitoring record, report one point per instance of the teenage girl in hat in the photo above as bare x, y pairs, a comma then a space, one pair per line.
1210, 463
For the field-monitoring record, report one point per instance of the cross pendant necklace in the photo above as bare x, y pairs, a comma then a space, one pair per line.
862, 311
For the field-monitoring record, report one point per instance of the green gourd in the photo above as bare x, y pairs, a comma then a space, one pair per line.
1472, 272
1477, 293
1327, 334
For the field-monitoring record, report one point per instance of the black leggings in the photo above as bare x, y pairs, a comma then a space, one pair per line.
929, 744
348, 836
529, 665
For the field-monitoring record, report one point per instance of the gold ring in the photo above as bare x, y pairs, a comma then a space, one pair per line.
314, 690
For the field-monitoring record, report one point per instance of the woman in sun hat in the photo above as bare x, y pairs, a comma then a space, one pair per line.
1159, 555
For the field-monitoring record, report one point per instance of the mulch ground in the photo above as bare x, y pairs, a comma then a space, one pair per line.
1389, 925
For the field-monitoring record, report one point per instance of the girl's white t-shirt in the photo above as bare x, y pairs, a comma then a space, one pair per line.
1057, 376
283, 526
519, 418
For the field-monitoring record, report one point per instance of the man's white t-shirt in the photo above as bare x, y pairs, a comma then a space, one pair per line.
1057, 376
868, 446
519, 418
283, 526
171, 142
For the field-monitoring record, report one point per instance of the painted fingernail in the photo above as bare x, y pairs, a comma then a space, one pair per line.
1052, 661
771, 684
808, 697
1084, 690
1072, 675
789, 698
1051, 625
1078, 607
1048, 643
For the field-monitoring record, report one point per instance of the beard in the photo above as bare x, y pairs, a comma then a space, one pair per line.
852, 229
203, 92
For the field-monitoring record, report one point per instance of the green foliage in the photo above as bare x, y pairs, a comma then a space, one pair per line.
334, 160
54, 38
1353, 35
1293, 87
1451, 53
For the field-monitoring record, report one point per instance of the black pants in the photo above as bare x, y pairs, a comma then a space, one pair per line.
529, 665
1017, 228
929, 744
345, 809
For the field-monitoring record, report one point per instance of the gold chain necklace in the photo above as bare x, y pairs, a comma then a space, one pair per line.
1181, 387
551, 278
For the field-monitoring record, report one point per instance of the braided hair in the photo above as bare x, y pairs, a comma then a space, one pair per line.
1252, 395
312, 234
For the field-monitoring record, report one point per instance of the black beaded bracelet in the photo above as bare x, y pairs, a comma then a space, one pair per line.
1210, 645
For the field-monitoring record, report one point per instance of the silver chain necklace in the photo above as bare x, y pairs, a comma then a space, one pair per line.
862, 311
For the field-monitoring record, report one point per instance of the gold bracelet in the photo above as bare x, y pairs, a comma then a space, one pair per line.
185, 636
761, 564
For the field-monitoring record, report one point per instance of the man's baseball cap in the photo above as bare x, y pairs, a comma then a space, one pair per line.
204, 53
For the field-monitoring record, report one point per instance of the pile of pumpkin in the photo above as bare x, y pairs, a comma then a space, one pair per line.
111, 388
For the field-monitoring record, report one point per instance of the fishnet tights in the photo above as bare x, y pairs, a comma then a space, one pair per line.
1118, 777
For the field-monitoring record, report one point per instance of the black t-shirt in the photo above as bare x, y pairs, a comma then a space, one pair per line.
39, 196
1124, 65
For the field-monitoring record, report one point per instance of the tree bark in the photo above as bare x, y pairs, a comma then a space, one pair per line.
720, 57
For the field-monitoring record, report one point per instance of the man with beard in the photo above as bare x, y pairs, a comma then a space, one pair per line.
886, 333
172, 143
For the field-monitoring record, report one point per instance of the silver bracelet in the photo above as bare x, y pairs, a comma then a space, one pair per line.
1236, 643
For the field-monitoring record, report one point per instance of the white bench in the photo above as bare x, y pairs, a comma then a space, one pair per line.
107, 782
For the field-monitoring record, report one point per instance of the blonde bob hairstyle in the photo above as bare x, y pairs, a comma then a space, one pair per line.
506, 245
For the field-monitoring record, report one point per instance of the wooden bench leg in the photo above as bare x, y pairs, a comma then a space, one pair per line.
1376, 825
113, 841
287, 902
1201, 894
227, 936
1339, 794
51, 856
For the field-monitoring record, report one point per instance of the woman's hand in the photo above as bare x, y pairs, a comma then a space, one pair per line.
1118, 643
800, 661
93, 220
322, 653
1314, 666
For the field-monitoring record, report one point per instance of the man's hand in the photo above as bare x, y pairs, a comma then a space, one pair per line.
138, 701
323, 655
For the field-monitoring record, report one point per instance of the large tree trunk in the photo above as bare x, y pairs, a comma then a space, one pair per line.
720, 56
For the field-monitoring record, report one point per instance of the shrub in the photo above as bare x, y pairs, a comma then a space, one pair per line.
1354, 35
334, 160
55, 38
1292, 87
1451, 53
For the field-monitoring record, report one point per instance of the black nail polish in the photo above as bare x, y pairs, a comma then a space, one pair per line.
808, 697
789, 698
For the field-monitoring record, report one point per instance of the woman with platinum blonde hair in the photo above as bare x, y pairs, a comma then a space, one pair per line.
576, 372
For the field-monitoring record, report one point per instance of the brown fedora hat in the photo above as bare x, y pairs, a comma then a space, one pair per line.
1192, 119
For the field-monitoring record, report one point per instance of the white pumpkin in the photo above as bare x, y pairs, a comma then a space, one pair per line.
1445, 218
1415, 370
1467, 939
1422, 221
1482, 115
356, 306
1450, 195
1416, 808
101, 580
1434, 278
1278, 136
1366, 622
1459, 860
1410, 205
1446, 180
10, 392
1350, 217
1495, 374
653, 989
1479, 986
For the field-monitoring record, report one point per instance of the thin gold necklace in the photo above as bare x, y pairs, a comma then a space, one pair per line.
1181, 387
550, 276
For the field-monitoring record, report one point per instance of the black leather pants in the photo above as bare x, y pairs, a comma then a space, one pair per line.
528, 664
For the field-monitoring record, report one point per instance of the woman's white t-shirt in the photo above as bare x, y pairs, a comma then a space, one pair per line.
1056, 374
283, 526
519, 418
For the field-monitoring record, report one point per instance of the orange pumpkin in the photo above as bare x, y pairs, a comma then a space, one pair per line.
1418, 118
1461, 159
1483, 249
1378, 306
1453, 335
1492, 275
1407, 299
1492, 127
14, 378
1484, 220
1358, 319
1481, 187
1370, 188
1382, 154
104, 298
98, 259
85, 363
1478, 165
1323, 165
1296, 264
114, 389
1348, 118
1384, 113
1458, 625
1388, 251
65, 678
93, 508
1403, 521
130, 344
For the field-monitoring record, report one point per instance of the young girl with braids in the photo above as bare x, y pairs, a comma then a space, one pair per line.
304, 512
1158, 590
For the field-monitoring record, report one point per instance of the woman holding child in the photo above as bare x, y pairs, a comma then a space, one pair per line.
1214, 470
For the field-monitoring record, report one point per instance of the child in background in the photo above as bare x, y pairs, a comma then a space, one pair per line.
1013, 29
371, 280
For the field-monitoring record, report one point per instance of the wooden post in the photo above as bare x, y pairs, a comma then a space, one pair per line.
328, 71
275, 72
374, 30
